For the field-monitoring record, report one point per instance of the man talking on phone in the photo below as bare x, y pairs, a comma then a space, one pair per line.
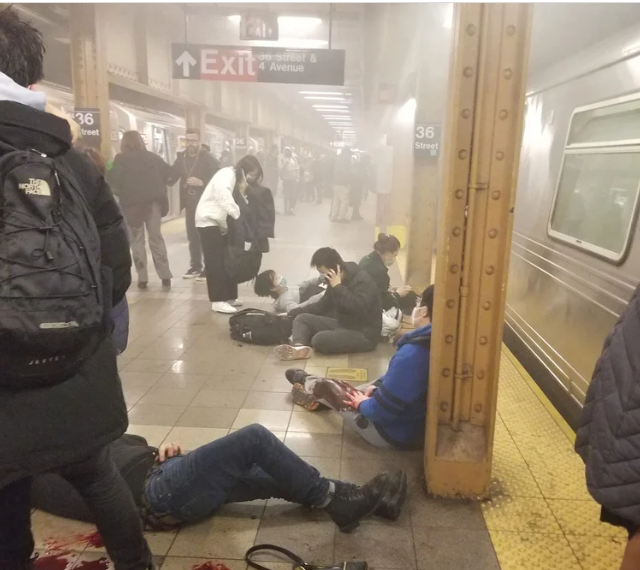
194, 168
346, 320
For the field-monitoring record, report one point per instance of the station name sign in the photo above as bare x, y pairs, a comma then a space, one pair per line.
252, 64
426, 142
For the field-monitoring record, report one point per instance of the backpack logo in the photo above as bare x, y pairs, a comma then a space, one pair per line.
35, 187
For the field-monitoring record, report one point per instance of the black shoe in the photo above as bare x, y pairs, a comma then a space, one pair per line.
352, 503
393, 500
296, 376
191, 274
142, 285
166, 283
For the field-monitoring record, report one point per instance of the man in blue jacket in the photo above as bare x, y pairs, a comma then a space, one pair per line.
391, 412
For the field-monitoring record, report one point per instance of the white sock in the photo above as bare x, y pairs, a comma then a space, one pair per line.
331, 493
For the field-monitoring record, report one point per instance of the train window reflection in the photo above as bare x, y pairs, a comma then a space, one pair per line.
606, 124
596, 200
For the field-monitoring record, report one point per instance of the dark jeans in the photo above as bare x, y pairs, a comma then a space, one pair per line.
220, 286
325, 335
111, 504
290, 188
195, 249
249, 464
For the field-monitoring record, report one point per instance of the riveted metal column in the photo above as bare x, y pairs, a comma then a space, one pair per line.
89, 65
482, 148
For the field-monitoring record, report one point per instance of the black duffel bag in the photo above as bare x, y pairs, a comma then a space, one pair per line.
255, 326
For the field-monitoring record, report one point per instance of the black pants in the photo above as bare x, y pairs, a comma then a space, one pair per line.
195, 249
109, 500
220, 286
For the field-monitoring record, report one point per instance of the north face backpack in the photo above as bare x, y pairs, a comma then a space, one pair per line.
52, 310
255, 326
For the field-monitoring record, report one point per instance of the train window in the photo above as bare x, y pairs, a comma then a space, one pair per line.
597, 194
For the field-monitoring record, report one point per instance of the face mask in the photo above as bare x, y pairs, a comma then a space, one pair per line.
282, 282
415, 316
389, 261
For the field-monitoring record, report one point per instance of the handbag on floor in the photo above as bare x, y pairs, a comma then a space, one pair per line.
298, 563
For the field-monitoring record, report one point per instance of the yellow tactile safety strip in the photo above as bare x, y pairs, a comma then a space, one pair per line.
540, 514
351, 375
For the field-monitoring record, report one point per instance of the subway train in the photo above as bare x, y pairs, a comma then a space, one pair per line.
575, 256
162, 132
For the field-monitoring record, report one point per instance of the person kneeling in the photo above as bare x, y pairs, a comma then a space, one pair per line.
347, 319
390, 412
173, 489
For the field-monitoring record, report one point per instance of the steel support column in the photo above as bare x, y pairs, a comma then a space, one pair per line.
482, 148
89, 65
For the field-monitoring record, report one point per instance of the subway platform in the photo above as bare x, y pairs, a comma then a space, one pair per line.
186, 381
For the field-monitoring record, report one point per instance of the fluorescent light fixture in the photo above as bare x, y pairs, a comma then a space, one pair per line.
318, 98
407, 113
329, 107
329, 117
447, 23
324, 93
235, 18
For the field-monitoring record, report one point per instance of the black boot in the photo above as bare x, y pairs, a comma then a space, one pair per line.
296, 376
391, 504
352, 503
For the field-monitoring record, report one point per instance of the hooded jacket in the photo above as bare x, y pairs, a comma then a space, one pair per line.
608, 439
47, 428
355, 303
398, 406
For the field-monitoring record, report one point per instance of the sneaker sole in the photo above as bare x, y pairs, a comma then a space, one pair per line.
303, 399
189, 276
354, 525
288, 353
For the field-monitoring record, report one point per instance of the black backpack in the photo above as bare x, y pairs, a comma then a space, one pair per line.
255, 326
52, 309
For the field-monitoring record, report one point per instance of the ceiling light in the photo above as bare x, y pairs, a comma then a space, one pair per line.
300, 43
235, 18
336, 117
323, 107
316, 97
323, 93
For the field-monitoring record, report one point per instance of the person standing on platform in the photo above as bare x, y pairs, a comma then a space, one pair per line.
608, 439
341, 182
194, 168
290, 174
63, 426
139, 179
271, 169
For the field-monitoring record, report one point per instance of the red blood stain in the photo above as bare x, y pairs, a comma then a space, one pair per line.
100, 564
209, 566
52, 562
93, 539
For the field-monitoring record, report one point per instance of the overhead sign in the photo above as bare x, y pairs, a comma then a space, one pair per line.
240, 143
426, 144
258, 64
89, 121
259, 26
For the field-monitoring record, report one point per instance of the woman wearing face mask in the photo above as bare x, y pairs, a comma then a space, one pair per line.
391, 411
224, 199
377, 264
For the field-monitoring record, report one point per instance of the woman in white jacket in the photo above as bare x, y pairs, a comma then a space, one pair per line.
214, 207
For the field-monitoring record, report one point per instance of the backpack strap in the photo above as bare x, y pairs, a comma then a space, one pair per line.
297, 561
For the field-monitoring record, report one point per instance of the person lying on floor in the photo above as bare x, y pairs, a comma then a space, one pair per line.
173, 489
288, 297
348, 317
390, 412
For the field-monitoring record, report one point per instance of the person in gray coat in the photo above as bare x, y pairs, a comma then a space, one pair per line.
608, 439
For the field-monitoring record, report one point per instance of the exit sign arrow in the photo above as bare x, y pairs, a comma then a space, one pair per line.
186, 60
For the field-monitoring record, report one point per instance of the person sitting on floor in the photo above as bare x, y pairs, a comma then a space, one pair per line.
377, 264
390, 412
288, 297
173, 489
348, 317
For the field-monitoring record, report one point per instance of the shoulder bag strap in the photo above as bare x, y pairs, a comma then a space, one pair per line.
297, 561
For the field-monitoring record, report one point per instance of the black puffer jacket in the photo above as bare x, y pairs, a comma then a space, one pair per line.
355, 303
50, 427
609, 437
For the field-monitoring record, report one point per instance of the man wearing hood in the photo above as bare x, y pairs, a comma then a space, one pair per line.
348, 317
65, 427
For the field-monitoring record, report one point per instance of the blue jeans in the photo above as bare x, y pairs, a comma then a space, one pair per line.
249, 464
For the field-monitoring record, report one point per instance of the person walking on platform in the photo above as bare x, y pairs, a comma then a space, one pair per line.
608, 439
216, 206
139, 179
290, 174
341, 182
51, 421
194, 168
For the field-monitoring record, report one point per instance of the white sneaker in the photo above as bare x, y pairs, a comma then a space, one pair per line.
223, 307
288, 353
235, 303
